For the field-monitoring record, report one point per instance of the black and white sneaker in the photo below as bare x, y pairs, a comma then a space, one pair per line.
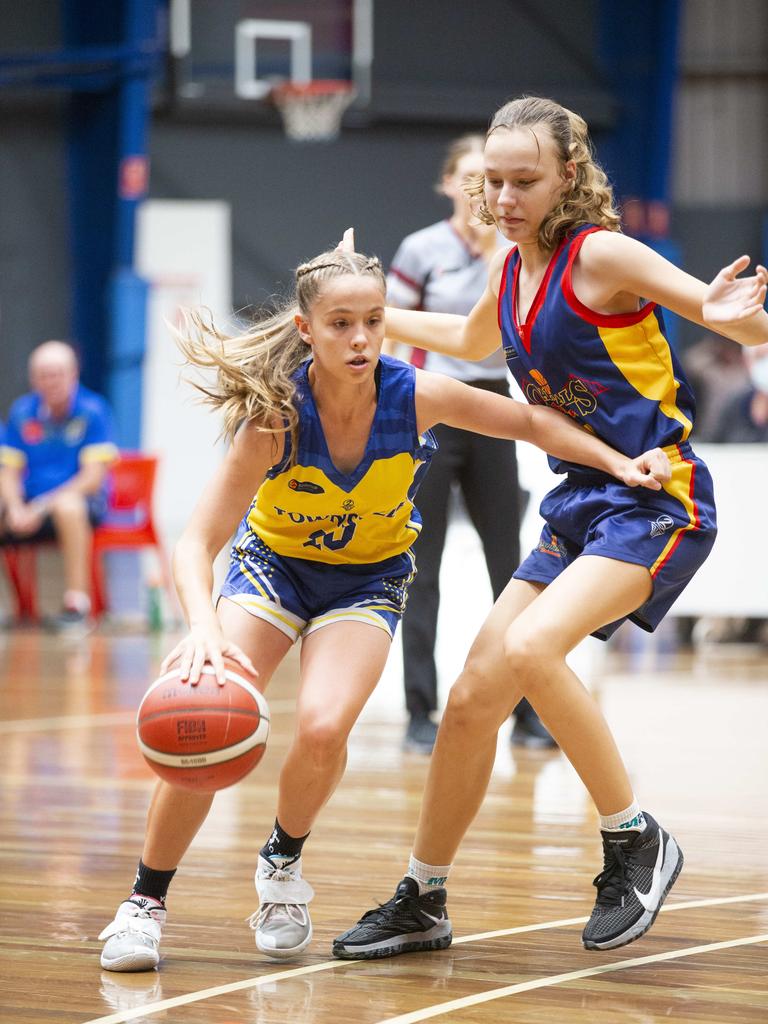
639, 869
408, 923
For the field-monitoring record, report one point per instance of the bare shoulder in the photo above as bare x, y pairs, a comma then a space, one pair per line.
601, 249
496, 266
253, 441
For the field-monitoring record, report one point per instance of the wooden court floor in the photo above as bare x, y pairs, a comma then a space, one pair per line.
74, 794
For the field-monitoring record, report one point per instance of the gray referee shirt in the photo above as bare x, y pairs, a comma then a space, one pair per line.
435, 270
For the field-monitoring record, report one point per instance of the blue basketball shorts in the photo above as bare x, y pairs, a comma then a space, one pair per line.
670, 531
299, 596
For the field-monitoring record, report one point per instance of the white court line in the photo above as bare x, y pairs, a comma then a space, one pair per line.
689, 905
238, 986
561, 979
100, 720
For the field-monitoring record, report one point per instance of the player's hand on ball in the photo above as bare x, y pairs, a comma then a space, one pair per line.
205, 645
651, 470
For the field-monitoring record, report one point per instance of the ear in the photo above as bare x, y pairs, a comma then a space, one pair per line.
569, 173
302, 326
447, 186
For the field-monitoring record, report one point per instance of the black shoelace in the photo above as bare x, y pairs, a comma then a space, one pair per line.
612, 883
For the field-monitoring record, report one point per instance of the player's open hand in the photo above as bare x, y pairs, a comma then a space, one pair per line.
205, 645
652, 469
730, 299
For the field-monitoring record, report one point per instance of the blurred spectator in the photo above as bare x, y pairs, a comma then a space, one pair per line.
53, 464
744, 417
716, 371
744, 420
444, 268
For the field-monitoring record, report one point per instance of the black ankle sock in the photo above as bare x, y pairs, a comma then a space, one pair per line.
280, 844
150, 882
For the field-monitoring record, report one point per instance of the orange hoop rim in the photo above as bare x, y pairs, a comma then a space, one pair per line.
317, 87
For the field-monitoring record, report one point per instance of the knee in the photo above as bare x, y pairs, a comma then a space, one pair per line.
68, 506
321, 739
530, 657
478, 702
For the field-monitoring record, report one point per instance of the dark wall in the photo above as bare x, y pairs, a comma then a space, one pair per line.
34, 256
290, 202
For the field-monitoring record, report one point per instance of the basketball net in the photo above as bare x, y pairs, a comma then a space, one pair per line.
312, 111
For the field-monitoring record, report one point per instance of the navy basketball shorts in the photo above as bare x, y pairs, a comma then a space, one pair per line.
670, 531
299, 596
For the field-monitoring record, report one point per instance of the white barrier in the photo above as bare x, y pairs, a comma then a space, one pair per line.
734, 579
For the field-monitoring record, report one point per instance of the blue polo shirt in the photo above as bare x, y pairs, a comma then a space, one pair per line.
52, 451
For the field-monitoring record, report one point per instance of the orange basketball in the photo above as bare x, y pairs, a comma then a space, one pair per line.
203, 737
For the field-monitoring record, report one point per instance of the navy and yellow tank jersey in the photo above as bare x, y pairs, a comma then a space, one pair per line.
614, 373
311, 510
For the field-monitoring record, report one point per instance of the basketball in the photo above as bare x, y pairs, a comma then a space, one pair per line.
203, 737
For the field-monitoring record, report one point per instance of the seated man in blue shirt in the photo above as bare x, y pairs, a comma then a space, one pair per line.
53, 465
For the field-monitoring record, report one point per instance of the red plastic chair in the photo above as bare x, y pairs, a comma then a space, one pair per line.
21, 567
129, 523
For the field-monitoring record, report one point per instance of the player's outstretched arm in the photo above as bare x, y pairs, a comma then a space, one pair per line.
611, 264
441, 399
470, 337
213, 521
734, 305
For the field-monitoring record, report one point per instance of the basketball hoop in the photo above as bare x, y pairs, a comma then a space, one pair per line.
312, 111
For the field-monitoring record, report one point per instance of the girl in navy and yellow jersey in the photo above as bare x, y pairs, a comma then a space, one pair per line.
332, 440
577, 305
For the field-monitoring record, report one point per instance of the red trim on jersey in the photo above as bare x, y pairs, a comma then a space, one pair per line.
503, 283
406, 280
470, 251
526, 330
598, 319
696, 524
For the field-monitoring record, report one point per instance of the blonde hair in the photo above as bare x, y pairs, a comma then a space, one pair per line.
472, 143
589, 200
254, 370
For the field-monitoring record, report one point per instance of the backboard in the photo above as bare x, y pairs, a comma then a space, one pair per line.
228, 54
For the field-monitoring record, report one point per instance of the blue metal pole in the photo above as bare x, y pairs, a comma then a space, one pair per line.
127, 291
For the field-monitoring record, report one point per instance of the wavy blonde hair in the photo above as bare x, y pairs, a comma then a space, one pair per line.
590, 198
254, 370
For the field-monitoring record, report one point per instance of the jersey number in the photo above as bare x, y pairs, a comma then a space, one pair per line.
332, 541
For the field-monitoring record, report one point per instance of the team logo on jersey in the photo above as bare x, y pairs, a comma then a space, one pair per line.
661, 525
74, 432
575, 398
594, 385
552, 547
305, 485
347, 504
32, 431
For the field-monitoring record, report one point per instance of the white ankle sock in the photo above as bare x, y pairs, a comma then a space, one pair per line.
428, 876
630, 818
77, 601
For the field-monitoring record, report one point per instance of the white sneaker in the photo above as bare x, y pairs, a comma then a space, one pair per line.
133, 938
282, 924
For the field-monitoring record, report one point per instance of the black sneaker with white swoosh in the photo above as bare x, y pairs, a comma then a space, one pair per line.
639, 869
408, 923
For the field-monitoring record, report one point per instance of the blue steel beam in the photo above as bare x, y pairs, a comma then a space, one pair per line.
108, 175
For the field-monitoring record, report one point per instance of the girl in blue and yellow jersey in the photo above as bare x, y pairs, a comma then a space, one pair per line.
332, 440
577, 306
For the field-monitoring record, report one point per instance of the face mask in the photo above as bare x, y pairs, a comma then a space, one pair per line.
758, 372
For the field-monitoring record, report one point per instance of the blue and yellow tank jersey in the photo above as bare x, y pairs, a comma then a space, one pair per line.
615, 374
312, 510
